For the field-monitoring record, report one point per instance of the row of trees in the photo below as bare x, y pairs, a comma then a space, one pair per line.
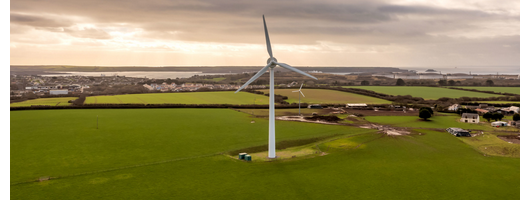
495, 116
443, 82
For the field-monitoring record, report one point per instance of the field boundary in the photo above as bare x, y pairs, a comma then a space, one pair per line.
484, 91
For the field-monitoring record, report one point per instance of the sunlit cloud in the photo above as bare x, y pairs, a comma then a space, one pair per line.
312, 33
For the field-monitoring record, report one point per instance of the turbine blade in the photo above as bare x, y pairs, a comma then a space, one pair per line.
302, 93
286, 66
295, 91
269, 49
301, 86
261, 72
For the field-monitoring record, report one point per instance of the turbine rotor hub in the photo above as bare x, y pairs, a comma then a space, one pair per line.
271, 59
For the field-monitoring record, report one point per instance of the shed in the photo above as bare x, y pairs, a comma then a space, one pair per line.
315, 106
499, 123
355, 105
458, 132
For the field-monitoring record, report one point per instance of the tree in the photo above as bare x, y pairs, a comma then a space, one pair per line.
442, 82
516, 117
365, 82
451, 82
400, 82
428, 109
489, 83
425, 114
487, 116
497, 116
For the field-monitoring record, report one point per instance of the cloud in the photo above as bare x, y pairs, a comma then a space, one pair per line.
88, 33
37, 20
302, 25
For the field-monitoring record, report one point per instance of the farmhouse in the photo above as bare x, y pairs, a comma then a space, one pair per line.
469, 118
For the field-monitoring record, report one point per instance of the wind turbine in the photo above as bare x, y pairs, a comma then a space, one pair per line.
299, 93
271, 63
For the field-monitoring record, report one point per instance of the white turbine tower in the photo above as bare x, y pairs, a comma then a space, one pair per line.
271, 63
299, 93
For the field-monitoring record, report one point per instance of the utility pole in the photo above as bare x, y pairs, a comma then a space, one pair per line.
97, 121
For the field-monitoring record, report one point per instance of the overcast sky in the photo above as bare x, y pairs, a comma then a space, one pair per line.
229, 32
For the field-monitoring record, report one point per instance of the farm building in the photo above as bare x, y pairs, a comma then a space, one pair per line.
356, 105
57, 92
407, 76
315, 106
515, 123
453, 107
431, 76
506, 111
458, 132
459, 76
470, 118
385, 75
515, 109
481, 111
499, 123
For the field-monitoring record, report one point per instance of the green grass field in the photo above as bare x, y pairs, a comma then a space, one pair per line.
365, 165
499, 102
326, 96
441, 122
423, 92
182, 98
61, 101
513, 90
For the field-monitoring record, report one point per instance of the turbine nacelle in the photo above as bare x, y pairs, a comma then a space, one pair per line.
272, 59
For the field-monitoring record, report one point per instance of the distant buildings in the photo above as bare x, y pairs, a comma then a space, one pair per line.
58, 92
438, 75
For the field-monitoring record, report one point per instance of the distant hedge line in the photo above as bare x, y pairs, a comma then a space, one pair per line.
483, 91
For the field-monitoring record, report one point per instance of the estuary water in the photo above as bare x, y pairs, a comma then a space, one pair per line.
138, 74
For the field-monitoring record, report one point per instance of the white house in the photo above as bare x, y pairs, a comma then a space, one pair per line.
470, 118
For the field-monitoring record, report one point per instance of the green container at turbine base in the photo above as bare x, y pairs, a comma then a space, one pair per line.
248, 157
242, 156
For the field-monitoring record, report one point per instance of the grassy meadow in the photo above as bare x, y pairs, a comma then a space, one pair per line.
171, 153
60, 101
513, 90
182, 98
326, 96
423, 92
439, 122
